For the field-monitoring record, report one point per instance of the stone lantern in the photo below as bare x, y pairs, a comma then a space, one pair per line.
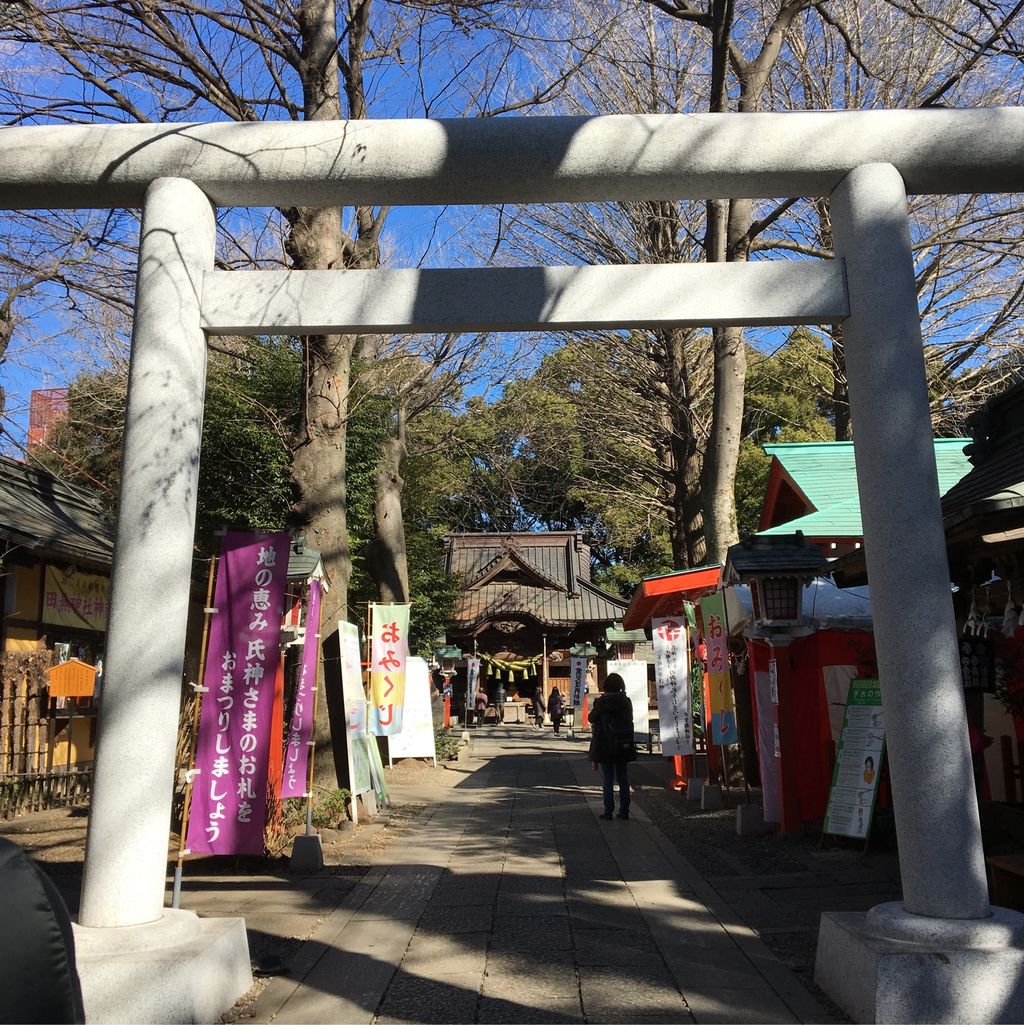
777, 568
447, 655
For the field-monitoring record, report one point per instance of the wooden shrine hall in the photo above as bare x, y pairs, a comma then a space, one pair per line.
526, 605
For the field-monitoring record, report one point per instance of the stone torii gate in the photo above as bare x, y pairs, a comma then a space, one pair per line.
941, 955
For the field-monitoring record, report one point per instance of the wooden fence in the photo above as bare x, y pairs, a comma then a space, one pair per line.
24, 724
29, 730
38, 791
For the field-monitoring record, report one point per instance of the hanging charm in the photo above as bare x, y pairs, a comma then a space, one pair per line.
1009, 615
973, 620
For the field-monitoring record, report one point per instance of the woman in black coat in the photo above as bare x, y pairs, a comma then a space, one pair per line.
555, 709
611, 744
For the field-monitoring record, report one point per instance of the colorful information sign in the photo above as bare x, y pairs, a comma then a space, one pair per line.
851, 801
672, 677
472, 682
578, 678
229, 795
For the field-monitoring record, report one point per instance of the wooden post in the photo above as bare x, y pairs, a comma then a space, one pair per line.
315, 627
789, 804
187, 804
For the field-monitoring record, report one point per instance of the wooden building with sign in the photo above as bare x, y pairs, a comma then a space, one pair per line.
526, 601
57, 548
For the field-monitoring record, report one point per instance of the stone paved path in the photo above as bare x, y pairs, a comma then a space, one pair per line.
510, 901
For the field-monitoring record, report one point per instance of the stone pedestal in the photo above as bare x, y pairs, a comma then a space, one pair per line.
749, 820
369, 800
178, 969
887, 965
307, 854
711, 797
694, 788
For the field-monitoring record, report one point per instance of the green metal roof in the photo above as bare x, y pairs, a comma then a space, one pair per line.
304, 563
617, 634
827, 475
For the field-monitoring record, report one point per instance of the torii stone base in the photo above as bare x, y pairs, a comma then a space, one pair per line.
177, 970
948, 972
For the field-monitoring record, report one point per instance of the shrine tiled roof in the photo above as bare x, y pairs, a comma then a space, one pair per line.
996, 481
41, 513
544, 576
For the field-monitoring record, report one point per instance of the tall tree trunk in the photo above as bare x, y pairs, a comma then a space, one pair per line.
693, 511
840, 394
315, 242
388, 562
726, 222
686, 527
840, 397
722, 455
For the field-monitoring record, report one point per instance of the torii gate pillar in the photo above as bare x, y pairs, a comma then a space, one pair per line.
942, 954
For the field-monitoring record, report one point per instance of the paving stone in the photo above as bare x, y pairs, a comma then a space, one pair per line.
511, 970
613, 948
547, 932
432, 954
782, 880
455, 891
504, 1011
589, 915
415, 999
641, 994
531, 904
726, 968
738, 1007
522, 987
457, 918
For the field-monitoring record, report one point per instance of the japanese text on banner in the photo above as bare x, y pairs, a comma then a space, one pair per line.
389, 649
716, 639
472, 681
672, 678
300, 729
229, 797
579, 682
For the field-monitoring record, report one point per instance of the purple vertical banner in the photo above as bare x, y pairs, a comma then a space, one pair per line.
300, 729
229, 792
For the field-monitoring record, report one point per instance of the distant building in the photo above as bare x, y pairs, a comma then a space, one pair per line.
526, 600
47, 407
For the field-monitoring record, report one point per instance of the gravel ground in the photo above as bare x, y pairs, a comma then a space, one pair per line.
709, 841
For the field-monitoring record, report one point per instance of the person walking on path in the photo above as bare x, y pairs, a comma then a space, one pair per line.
481, 703
555, 709
611, 743
538, 708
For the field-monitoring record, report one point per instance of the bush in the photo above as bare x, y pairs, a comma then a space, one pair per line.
446, 744
330, 807
329, 811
